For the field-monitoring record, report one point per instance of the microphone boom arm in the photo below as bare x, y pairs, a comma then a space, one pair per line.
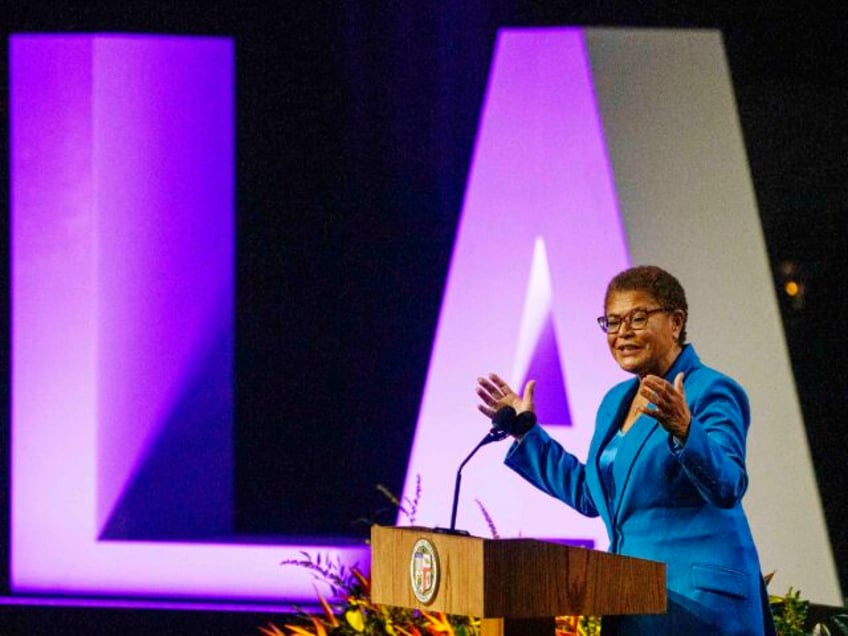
495, 435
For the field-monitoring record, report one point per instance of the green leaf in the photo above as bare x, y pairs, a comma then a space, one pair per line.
841, 621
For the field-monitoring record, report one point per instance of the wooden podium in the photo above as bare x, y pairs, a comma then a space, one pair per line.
515, 586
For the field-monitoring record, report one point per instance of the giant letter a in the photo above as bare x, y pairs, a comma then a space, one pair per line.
539, 238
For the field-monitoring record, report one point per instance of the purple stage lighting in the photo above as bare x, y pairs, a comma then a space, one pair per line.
122, 300
122, 274
540, 236
122, 167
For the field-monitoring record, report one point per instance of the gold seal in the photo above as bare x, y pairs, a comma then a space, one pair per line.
424, 571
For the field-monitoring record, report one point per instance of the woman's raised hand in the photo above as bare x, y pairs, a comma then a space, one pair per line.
494, 394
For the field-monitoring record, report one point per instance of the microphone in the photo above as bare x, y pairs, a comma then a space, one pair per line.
507, 422
503, 423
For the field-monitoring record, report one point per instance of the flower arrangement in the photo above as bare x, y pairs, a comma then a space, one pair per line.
790, 614
349, 610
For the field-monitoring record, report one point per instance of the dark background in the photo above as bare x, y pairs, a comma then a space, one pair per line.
356, 122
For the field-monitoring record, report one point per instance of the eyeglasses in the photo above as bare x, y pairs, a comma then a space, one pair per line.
636, 318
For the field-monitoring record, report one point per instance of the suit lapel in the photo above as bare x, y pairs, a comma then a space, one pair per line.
609, 419
628, 455
610, 416
641, 431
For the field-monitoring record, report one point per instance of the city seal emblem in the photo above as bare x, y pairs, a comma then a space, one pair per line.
424, 571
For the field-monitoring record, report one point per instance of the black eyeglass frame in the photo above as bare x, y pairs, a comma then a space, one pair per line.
603, 321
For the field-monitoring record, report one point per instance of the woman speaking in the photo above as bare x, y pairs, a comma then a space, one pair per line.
666, 465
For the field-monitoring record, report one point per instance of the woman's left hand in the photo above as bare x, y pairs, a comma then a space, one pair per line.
495, 394
669, 404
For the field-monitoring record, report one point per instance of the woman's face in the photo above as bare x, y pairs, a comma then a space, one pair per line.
650, 350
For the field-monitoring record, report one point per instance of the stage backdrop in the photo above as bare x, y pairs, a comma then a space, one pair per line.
595, 149
540, 235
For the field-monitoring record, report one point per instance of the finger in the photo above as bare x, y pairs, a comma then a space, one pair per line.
500, 383
490, 413
489, 387
678, 384
488, 399
652, 413
664, 392
652, 380
529, 392
652, 395
648, 388
656, 384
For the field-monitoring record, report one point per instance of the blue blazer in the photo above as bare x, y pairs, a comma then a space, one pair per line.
680, 505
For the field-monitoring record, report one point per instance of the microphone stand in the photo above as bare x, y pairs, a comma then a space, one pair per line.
495, 435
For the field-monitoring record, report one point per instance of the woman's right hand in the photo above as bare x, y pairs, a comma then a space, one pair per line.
495, 394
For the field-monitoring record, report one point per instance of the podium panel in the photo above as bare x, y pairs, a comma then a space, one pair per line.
508, 578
